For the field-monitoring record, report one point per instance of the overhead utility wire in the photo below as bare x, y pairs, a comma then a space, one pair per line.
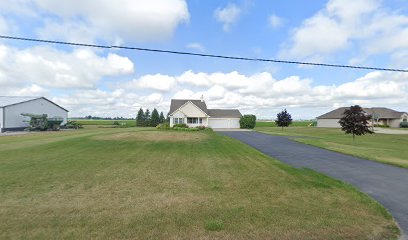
204, 55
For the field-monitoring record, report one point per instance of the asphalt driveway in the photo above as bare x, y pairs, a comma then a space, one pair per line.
386, 183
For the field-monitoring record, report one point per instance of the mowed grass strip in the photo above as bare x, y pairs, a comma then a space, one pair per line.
273, 124
137, 184
385, 148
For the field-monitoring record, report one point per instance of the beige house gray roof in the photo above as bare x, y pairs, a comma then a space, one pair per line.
215, 113
177, 103
376, 112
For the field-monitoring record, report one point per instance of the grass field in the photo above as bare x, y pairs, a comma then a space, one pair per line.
85, 122
386, 148
145, 184
273, 124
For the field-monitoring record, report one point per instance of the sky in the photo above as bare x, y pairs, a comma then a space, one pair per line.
112, 82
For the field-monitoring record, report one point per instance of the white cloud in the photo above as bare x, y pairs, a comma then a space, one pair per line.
51, 68
275, 21
156, 82
196, 46
227, 15
344, 24
109, 103
113, 21
3, 26
261, 94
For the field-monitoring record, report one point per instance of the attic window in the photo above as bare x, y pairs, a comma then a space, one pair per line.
405, 119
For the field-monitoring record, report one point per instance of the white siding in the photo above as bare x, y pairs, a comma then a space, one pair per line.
192, 110
223, 123
13, 118
177, 114
328, 123
1, 118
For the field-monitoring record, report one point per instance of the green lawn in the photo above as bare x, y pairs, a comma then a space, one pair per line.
386, 148
130, 123
146, 184
273, 124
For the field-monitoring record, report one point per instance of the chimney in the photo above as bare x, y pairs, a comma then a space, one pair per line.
202, 98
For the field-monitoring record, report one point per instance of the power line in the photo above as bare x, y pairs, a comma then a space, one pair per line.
203, 55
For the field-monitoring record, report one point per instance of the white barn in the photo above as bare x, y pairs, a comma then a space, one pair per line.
195, 113
11, 109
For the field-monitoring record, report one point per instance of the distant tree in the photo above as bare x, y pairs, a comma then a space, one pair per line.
147, 118
140, 118
283, 119
162, 118
247, 121
355, 121
155, 119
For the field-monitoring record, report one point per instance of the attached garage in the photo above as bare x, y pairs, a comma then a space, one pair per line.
223, 122
224, 118
11, 109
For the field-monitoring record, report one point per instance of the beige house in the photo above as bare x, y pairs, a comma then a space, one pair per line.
195, 113
381, 116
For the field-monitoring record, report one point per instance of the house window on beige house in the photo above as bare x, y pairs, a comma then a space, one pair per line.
178, 120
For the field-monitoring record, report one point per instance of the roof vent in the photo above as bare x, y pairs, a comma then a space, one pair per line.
202, 98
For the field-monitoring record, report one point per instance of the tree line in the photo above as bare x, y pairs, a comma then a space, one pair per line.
145, 119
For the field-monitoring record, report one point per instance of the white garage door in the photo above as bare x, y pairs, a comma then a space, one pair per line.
224, 123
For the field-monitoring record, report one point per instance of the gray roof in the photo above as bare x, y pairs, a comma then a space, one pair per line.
377, 112
216, 113
177, 103
225, 113
12, 100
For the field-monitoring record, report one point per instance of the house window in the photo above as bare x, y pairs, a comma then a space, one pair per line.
201, 121
192, 120
405, 119
178, 120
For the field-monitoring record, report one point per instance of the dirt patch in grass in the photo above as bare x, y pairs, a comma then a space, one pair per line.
155, 136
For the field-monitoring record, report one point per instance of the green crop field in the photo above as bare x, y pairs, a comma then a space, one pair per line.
386, 148
85, 122
145, 184
273, 124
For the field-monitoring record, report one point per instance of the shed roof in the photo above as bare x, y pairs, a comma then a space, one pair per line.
13, 100
377, 112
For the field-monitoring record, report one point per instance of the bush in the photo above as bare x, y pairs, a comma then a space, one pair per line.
186, 129
183, 125
163, 126
201, 127
247, 121
381, 125
116, 123
404, 124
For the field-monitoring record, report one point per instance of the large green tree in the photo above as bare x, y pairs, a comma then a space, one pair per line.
155, 119
147, 118
140, 118
162, 118
355, 121
283, 119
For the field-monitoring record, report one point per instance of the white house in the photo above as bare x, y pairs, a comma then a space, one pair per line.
380, 115
11, 109
194, 113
